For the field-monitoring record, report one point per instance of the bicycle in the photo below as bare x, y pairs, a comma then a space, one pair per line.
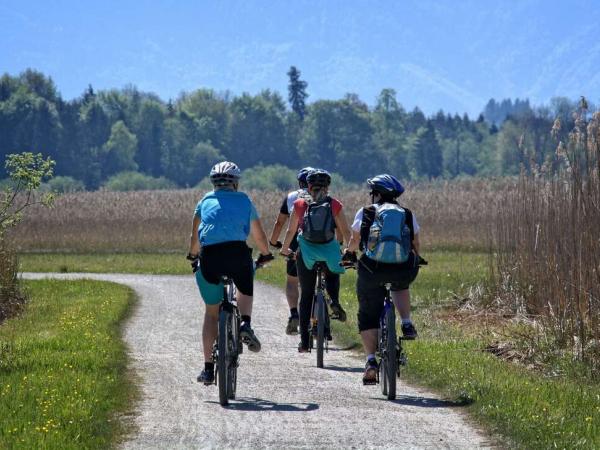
389, 347
228, 346
319, 319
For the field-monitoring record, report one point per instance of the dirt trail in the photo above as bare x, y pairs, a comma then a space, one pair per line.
284, 401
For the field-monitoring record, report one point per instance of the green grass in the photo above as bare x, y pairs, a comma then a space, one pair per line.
155, 264
63, 379
526, 408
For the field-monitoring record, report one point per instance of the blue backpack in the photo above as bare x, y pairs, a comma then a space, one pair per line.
387, 233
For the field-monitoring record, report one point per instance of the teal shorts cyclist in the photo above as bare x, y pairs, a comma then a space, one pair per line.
222, 222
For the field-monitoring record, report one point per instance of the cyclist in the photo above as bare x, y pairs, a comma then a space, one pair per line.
291, 286
373, 273
315, 221
222, 221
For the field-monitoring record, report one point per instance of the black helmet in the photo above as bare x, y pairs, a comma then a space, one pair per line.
302, 174
386, 184
318, 177
224, 174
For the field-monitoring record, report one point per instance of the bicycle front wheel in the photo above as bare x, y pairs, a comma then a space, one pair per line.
321, 320
390, 350
223, 356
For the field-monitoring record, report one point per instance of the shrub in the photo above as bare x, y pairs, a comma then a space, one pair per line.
135, 181
63, 185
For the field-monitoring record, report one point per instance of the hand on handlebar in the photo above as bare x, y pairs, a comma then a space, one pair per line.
349, 259
263, 259
195, 262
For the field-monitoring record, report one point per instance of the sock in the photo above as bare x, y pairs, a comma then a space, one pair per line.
294, 312
406, 321
209, 366
246, 320
370, 356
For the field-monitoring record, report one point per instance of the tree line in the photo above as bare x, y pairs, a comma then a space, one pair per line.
102, 134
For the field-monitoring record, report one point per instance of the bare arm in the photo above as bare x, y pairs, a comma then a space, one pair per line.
289, 234
416, 243
354, 241
342, 225
277, 227
194, 241
258, 235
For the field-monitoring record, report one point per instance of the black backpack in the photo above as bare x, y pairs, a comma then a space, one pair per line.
318, 223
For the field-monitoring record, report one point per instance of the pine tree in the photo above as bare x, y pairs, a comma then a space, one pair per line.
297, 92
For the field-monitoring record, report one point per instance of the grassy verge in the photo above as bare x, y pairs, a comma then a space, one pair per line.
63, 376
155, 264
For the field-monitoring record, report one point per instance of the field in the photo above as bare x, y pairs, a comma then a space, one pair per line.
450, 214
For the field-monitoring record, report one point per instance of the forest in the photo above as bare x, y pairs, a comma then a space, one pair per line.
123, 139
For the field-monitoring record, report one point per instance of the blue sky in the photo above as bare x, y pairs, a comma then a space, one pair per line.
450, 55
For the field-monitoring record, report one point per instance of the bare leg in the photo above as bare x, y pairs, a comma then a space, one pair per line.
369, 340
291, 291
244, 304
209, 330
402, 301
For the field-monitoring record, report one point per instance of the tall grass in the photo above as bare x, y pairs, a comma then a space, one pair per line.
11, 298
450, 214
548, 238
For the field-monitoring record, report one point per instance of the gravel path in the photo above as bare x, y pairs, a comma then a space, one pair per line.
284, 401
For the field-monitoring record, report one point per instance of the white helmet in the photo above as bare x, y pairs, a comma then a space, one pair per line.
224, 173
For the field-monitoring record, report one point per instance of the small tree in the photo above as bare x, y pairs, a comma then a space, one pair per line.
26, 171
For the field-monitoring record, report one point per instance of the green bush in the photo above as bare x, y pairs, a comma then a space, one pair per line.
63, 184
135, 181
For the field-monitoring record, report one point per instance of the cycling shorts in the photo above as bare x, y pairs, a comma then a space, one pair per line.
232, 259
370, 288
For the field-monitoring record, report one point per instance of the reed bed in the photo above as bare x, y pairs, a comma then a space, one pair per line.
450, 214
548, 240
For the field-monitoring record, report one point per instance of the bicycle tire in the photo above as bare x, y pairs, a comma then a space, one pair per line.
391, 355
233, 345
223, 356
321, 320
382, 363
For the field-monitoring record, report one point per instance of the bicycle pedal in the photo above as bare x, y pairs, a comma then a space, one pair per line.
370, 383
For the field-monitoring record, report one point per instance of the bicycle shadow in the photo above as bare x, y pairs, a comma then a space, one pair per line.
344, 369
426, 402
259, 404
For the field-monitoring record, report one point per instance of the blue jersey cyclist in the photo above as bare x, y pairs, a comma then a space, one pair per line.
222, 222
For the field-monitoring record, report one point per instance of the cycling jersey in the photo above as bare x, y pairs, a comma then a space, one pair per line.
224, 216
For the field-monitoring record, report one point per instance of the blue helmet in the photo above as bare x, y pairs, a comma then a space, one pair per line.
385, 184
318, 177
302, 174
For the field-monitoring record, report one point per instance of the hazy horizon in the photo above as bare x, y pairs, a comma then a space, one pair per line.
436, 55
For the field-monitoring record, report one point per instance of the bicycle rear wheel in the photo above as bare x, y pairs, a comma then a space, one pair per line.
234, 345
390, 350
223, 356
321, 319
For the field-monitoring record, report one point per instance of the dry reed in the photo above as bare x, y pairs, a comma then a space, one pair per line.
450, 214
548, 239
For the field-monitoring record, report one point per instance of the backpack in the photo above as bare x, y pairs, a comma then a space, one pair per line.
387, 233
318, 223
